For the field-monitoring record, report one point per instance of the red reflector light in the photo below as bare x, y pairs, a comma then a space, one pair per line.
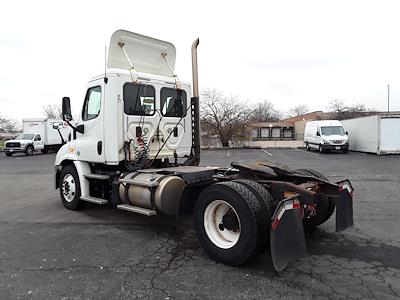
275, 224
296, 204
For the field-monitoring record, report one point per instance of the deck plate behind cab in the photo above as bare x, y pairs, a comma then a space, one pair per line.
143, 51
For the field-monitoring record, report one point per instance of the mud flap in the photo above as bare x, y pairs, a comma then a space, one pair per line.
344, 206
287, 238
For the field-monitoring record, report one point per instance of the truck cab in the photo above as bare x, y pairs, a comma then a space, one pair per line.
26, 143
124, 103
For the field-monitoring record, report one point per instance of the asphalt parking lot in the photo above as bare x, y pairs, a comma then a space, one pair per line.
48, 252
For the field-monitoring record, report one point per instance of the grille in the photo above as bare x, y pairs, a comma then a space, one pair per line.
11, 145
337, 142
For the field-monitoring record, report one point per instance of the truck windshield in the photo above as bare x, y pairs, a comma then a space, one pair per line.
332, 130
24, 137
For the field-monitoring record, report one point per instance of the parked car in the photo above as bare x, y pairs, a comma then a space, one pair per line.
326, 135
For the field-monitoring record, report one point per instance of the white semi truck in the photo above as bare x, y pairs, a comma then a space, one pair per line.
136, 146
39, 134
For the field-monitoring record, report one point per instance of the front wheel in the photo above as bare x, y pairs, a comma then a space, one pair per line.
229, 222
70, 189
29, 151
9, 154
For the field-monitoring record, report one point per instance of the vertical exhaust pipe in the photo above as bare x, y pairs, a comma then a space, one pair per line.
195, 72
194, 158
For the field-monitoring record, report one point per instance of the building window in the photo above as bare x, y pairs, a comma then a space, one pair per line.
254, 134
264, 134
276, 132
287, 133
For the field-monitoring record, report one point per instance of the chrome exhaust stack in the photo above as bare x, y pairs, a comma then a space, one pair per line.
194, 158
195, 72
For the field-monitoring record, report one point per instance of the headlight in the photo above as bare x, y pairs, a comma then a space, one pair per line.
22, 144
326, 142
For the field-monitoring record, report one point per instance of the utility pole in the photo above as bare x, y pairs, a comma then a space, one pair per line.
388, 93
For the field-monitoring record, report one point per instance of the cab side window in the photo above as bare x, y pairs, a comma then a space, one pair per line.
38, 138
92, 104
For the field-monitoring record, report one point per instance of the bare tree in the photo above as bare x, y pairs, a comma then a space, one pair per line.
223, 116
7, 125
338, 108
264, 111
342, 112
52, 111
298, 110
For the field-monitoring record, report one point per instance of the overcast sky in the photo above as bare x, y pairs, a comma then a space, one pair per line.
289, 52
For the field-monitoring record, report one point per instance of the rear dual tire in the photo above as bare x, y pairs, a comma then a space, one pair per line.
231, 221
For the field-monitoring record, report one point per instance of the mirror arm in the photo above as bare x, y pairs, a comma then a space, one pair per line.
79, 128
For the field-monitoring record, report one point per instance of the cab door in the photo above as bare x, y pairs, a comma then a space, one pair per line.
89, 145
38, 143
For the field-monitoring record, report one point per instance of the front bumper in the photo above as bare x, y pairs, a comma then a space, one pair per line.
14, 149
335, 147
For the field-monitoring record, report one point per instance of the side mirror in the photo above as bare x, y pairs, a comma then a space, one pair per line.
347, 133
318, 134
66, 109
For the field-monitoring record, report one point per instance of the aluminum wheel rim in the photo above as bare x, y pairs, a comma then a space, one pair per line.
68, 188
213, 215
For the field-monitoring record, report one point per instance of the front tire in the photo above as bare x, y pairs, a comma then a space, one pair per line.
229, 223
8, 154
29, 151
70, 189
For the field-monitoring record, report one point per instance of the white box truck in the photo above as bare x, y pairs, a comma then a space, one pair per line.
378, 134
39, 134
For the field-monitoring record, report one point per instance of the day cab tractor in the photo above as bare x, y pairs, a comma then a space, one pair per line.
136, 146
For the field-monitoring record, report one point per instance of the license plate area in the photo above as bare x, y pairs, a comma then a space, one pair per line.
337, 147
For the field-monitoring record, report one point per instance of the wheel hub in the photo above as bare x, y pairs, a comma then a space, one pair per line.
229, 221
68, 188
222, 224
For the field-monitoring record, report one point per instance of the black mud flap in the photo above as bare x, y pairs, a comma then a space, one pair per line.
344, 206
287, 234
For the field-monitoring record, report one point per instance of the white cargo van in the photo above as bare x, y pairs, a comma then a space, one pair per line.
326, 135
39, 134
